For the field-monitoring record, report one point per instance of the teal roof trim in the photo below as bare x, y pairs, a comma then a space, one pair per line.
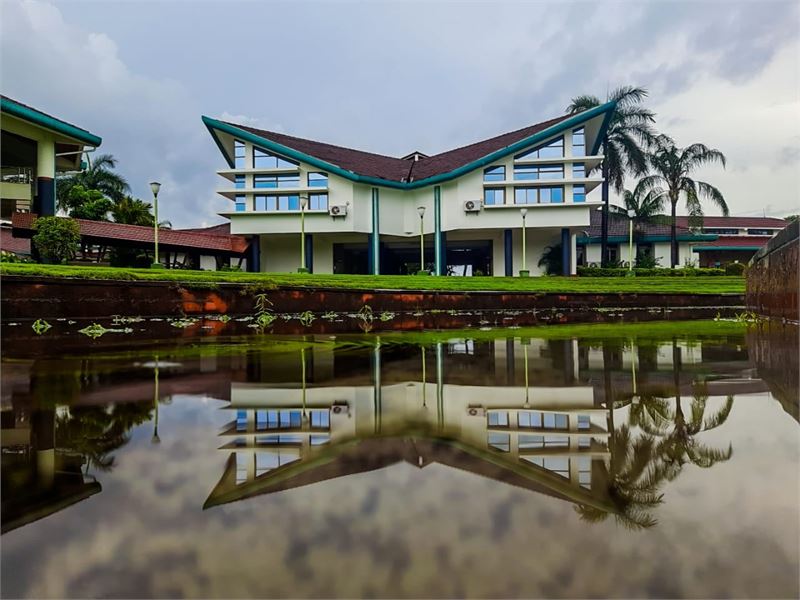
26, 113
620, 239
216, 125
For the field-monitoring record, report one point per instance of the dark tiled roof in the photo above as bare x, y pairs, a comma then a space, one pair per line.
738, 241
221, 229
618, 226
9, 243
757, 222
400, 169
103, 230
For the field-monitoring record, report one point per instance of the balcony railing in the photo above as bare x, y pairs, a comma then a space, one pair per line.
16, 175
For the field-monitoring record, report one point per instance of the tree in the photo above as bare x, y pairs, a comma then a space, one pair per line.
81, 203
56, 239
791, 218
133, 212
628, 137
98, 176
552, 260
646, 204
671, 180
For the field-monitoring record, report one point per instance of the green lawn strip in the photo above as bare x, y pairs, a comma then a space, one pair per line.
612, 285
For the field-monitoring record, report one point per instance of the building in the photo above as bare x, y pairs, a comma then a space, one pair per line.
364, 212
35, 147
738, 238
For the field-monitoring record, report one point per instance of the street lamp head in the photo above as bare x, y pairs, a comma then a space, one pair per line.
155, 186
421, 211
303, 202
523, 212
631, 213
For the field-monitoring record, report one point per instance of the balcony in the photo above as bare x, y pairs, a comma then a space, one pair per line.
16, 189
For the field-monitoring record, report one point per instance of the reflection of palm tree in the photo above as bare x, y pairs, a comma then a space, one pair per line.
633, 482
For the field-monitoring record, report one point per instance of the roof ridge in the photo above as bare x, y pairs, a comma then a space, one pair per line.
41, 112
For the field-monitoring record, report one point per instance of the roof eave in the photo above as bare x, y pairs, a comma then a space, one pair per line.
212, 124
46, 121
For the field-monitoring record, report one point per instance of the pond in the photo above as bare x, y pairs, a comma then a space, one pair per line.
656, 460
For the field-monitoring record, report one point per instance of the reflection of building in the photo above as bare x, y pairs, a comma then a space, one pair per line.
547, 437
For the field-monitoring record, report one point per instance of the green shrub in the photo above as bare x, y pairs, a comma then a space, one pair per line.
735, 268
654, 272
231, 268
56, 239
10, 257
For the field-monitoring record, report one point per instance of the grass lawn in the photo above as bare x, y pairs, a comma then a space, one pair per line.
656, 285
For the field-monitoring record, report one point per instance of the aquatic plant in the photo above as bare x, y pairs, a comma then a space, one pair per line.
306, 318
93, 331
387, 316
183, 323
40, 326
330, 315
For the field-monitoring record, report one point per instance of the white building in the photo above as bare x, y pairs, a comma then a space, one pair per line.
362, 210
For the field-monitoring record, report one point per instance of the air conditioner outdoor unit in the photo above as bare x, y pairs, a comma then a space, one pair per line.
473, 205
476, 411
338, 210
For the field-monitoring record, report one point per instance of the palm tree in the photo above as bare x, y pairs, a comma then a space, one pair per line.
552, 260
671, 180
628, 137
646, 204
133, 211
98, 176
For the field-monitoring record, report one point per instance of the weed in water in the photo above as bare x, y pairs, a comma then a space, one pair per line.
387, 316
40, 326
306, 318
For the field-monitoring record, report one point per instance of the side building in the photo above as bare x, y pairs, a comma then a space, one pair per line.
330, 209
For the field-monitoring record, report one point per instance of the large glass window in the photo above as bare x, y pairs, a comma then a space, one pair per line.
531, 172
721, 231
543, 195
494, 196
578, 170
579, 142
276, 181
530, 419
238, 181
554, 149
499, 441
498, 418
272, 202
265, 160
494, 174
555, 421
320, 419
241, 203
579, 193
318, 202
238, 155
318, 180
760, 231
555, 464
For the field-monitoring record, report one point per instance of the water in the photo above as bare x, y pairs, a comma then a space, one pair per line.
406, 465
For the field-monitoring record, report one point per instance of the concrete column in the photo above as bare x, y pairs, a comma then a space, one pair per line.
566, 254
309, 243
375, 236
573, 263
437, 231
508, 250
254, 254
45, 202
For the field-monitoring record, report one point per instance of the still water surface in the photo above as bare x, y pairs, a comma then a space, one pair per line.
497, 464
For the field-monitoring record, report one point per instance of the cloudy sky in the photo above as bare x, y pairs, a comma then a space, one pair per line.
391, 77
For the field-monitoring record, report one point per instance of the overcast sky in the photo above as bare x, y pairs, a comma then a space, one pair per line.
392, 77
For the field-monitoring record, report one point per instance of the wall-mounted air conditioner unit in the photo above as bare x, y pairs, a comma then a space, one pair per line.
338, 210
476, 411
473, 205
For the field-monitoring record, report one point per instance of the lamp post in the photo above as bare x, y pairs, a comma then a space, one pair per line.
155, 439
421, 211
155, 186
631, 215
524, 272
303, 204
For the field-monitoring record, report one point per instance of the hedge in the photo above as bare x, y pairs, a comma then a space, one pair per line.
656, 272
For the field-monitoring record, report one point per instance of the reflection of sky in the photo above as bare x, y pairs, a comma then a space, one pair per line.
727, 531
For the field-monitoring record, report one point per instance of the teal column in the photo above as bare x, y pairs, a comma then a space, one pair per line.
375, 238
437, 226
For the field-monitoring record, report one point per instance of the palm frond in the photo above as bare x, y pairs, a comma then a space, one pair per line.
712, 193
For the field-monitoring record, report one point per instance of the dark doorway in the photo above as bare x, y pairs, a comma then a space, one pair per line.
402, 258
469, 258
351, 259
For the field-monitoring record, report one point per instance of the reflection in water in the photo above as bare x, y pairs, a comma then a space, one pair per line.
544, 435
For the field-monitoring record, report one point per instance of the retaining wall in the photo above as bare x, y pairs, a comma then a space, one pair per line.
772, 276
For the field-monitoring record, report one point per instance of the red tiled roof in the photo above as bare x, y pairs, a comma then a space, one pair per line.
103, 230
9, 243
618, 226
739, 241
221, 229
756, 222
400, 169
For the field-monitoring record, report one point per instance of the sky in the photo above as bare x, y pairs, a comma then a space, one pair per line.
392, 77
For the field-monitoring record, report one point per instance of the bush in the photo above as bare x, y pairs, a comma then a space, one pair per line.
10, 257
56, 239
231, 268
655, 272
734, 268
646, 261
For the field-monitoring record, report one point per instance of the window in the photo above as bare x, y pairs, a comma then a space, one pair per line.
530, 172
241, 420
760, 231
320, 419
579, 193
276, 181
584, 422
498, 418
556, 441
318, 202
613, 253
529, 419
555, 464
585, 472
529, 442
499, 441
277, 203
261, 420
579, 142
494, 174
555, 421
543, 195
238, 154
264, 160
554, 149
721, 231
241, 467
260, 202
318, 180
494, 196
238, 181
578, 170
241, 203
318, 439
